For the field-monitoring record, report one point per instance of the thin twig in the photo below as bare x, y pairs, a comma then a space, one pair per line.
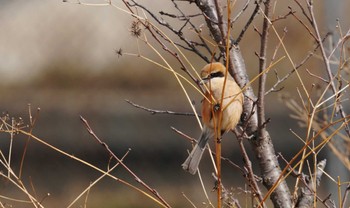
137, 179
307, 57
306, 180
188, 199
189, 43
316, 76
240, 13
154, 111
326, 62
96, 181
192, 140
283, 16
227, 196
251, 175
31, 128
249, 22
173, 53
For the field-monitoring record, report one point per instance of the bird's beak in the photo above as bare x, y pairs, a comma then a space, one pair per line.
204, 81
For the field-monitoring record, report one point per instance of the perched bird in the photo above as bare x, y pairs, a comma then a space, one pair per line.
213, 78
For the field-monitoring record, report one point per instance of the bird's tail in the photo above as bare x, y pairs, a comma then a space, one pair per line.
192, 161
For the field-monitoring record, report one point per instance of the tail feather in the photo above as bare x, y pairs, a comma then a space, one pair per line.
192, 161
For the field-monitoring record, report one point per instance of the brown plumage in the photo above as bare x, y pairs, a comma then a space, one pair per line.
213, 76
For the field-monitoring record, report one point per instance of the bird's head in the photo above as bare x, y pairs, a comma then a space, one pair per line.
212, 70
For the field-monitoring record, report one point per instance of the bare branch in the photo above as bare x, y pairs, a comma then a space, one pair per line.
137, 179
240, 13
153, 111
250, 20
228, 199
251, 178
209, 10
262, 147
191, 139
307, 57
262, 66
345, 197
316, 76
303, 10
304, 24
191, 46
281, 17
327, 63
306, 180
306, 199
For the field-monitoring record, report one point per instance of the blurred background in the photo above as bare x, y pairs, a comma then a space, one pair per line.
61, 58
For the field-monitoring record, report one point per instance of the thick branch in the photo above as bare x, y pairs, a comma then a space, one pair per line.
306, 199
209, 10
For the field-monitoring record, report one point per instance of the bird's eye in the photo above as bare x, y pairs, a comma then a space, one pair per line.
217, 74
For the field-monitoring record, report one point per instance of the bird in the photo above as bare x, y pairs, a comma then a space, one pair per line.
230, 105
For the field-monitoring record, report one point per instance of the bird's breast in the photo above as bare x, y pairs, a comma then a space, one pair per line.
229, 113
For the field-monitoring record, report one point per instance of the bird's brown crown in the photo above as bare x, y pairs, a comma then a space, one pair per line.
212, 70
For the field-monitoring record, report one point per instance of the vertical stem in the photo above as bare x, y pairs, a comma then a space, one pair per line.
339, 193
218, 141
218, 164
262, 66
217, 128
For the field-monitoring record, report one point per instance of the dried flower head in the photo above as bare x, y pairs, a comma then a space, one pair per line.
135, 29
119, 52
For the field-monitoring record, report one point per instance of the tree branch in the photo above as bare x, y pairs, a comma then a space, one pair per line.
191, 46
249, 22
327, 63
154, 111
262, 66
137, 179
306, 198
251, 179
262, 147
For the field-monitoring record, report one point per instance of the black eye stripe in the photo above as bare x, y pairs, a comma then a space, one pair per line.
217, 74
